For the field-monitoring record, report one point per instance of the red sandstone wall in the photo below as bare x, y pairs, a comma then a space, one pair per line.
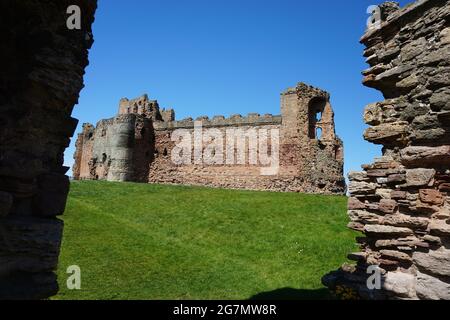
238, 176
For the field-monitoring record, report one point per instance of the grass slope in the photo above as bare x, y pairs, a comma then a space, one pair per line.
140, 241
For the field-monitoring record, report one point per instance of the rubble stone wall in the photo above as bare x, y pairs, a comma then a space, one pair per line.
401, 202
42, 74
309, 162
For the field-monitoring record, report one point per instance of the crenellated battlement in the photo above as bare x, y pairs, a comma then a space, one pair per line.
237, 120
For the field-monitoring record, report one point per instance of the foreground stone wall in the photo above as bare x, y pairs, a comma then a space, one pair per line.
401, 201
42, 74
309, 162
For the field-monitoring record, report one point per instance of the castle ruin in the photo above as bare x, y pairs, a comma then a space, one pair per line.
137, 145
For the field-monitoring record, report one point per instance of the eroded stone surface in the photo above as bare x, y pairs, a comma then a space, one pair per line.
400, 284
431, 288
40, 81
434, 262
401, 201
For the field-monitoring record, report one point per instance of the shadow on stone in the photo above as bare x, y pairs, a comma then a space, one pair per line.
28, 286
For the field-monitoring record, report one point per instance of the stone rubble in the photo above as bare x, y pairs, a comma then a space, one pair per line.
401, 201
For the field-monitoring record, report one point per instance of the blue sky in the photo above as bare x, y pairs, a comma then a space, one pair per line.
229, 56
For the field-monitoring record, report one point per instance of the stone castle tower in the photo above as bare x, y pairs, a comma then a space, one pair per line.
136, 145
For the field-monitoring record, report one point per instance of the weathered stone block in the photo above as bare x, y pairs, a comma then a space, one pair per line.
387, 230
440, 100
387, 206
358, 176
374, 173
445, 36
425, 156
409, 82
387, 133
403, 220
434, 262
360, 187
396, 178
396, 255
398, 195
355, 204
419, 177
410, 242
363, 216
355, 226
432, 288
425, 208
439, 227
372, 114
384, 193
431, 196
400, 283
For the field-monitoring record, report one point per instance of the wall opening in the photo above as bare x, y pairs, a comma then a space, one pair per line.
315, 113
318, 133
319, 116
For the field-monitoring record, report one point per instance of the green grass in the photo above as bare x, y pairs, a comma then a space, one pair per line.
140, 241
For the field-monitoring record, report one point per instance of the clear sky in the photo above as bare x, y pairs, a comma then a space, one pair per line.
209, 57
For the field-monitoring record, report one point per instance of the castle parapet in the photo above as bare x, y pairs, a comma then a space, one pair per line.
252, 119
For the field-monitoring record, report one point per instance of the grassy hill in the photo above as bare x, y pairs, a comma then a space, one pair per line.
140, 241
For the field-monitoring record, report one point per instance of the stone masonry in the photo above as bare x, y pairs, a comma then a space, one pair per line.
137, 144
41, 76
401, 202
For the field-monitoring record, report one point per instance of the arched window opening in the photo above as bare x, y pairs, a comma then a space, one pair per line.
315, 114
318, 133
319, 116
